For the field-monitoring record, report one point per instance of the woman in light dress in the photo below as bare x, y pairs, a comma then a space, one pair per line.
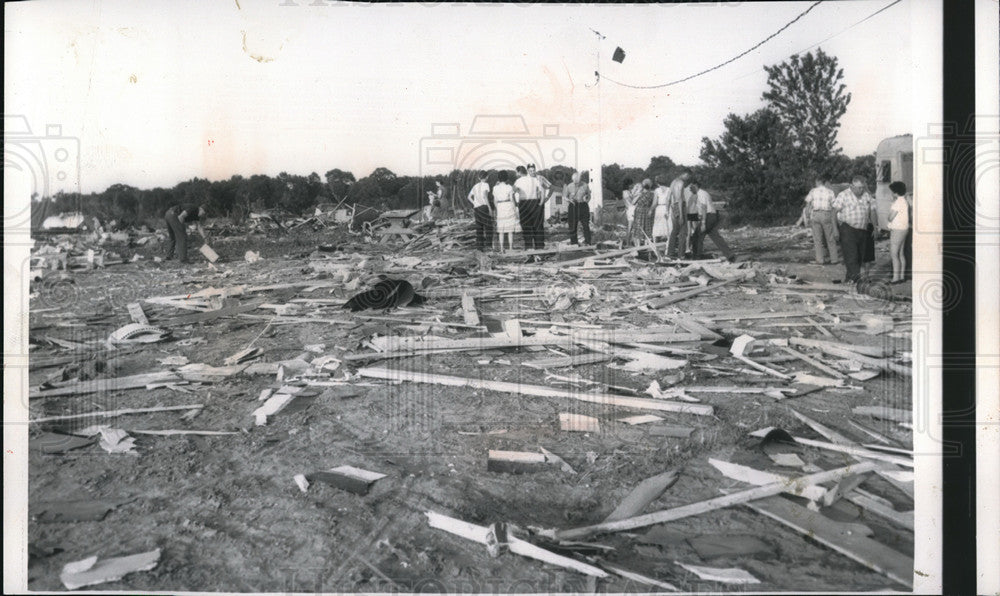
661, 197
506, 206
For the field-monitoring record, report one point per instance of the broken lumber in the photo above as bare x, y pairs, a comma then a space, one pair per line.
873, 351
107, 385
760, 492
814, 363
202, 317
480, 534
514, 462
835, 437
113, 413
469, 309
535, 390
349, 478
138, 316
564, 361
91, 571
660, 303
756, 477
864, 550
881, 363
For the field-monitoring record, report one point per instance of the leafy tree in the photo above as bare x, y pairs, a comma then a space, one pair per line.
755, 156
339, 182
661, 165
807, 95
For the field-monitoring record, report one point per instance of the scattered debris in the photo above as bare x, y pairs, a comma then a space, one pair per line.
349, 478
723, 576
90, 571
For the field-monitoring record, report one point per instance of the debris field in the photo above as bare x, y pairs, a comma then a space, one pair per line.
327, 410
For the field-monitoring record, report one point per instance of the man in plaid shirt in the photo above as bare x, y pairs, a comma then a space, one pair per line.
855, 211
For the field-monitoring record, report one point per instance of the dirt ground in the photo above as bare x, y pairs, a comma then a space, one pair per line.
229, 517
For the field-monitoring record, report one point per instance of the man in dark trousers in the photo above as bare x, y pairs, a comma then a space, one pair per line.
855, 212
531, 190
479, 196
705, 223
177, 218
577, 196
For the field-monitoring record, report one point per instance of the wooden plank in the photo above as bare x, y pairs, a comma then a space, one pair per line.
866, 551
578, 423
113, 413
814, 363
761, 478
469, 309
660, 303
565, 361
903, 518
480, 535
737, 498
857, 451
873, 351
695, 327
881, 363
203, 317
536, 390
835, 437
107, 385
396, 347
138, 316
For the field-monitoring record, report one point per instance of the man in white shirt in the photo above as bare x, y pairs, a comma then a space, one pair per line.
706, 223
530, 189
677, 212
824, 227
577, 195
479, 196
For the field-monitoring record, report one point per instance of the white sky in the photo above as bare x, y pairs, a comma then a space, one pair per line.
145, 87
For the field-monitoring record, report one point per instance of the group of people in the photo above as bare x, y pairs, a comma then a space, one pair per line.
847, 223
682, 213
524, 203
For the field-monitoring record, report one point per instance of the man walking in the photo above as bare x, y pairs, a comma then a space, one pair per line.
677, 212
706, 222
577, 195
855, 210
479, 196
820, 201
177, 218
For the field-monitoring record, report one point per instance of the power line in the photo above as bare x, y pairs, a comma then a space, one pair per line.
733, 59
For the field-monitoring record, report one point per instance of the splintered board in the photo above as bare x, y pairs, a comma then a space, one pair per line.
348, 478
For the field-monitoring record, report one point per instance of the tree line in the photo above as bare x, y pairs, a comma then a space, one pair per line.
764, 163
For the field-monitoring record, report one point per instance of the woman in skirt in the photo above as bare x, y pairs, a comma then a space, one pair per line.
506, 206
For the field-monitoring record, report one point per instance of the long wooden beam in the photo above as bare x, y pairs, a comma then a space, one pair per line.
759, 492
536, 390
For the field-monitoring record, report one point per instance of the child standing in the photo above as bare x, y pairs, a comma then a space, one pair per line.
506, 205
899, 224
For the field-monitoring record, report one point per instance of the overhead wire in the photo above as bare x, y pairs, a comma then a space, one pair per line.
786, 26
718, 66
